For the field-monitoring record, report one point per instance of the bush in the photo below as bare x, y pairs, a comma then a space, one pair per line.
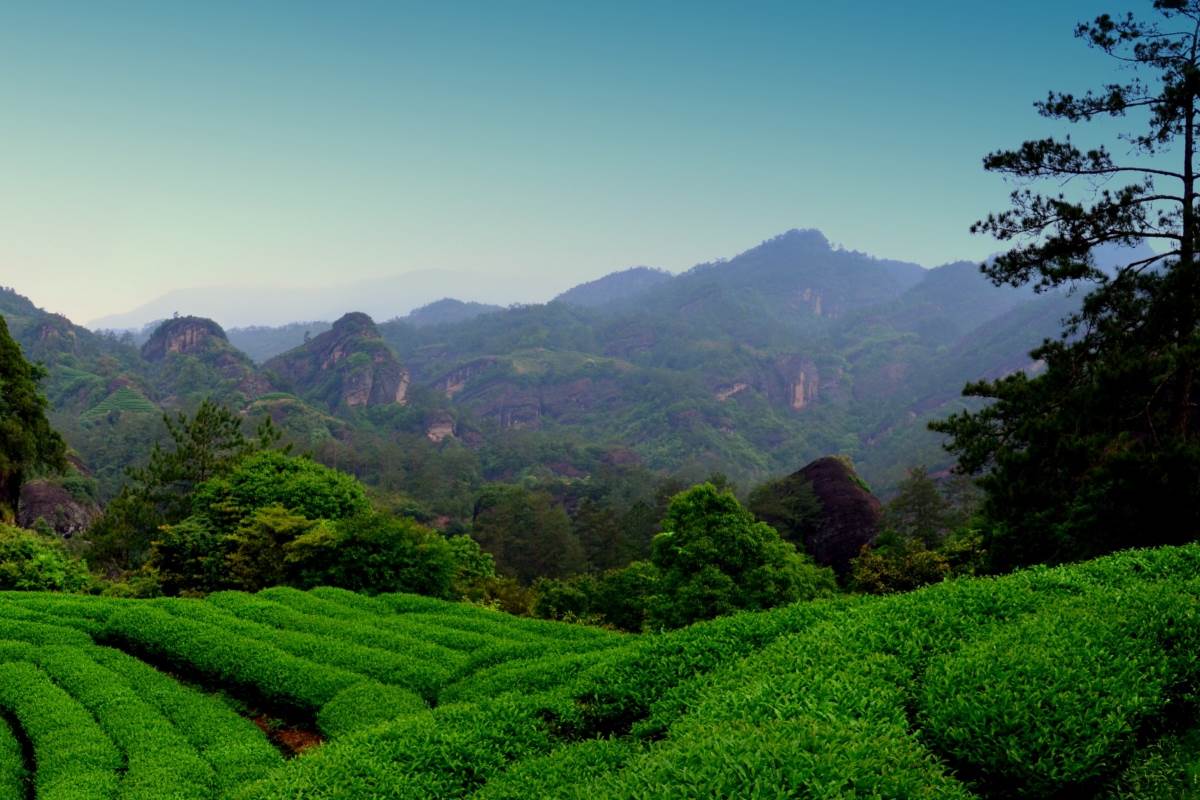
32, 562
1055, 702
365, 705
75, 760
159, 763
273, 478
12, 763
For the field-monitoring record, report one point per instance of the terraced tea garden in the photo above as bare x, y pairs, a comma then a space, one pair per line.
1071, 682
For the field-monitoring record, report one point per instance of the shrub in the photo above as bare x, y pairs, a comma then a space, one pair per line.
273, 478
374, 553
1055, 702
13, 774
235, 747
365, 705
75, 760
32, 561
245, 664
159, 762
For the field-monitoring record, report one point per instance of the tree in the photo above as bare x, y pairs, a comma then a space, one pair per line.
204, 447
919, 511
27, 442
528, 534
713, 558
1101, 450
374, 553
272, 478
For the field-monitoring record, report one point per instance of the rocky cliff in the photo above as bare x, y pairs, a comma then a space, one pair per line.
825, 506
348, 366
177, 340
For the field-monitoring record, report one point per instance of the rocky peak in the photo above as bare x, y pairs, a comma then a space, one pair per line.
849, 512
348, 365
185, 335
837, 514
356, 323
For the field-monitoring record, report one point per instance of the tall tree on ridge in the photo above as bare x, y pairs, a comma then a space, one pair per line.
1102, 449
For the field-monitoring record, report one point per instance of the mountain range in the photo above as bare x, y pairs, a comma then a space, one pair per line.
750, 366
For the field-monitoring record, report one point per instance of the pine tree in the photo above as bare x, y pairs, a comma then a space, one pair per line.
1101, 450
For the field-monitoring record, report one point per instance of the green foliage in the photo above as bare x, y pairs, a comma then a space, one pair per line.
919, 511
896, 564
27, 442
528, 534
272, 478
375, 553
1052, 703
13, 774
75, 759
365, 705
1101, 449
1075, 681
189, 557
713, 558
125, 400
158, 761
256, 554
35, 561
203, 447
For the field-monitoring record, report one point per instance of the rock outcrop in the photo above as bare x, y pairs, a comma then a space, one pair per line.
61, 510
846, 514
205, 341
186, 335
348, 366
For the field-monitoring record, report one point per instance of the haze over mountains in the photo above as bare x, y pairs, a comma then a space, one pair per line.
751, 366
382, 298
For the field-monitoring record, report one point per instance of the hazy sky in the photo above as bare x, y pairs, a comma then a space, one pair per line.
146, 146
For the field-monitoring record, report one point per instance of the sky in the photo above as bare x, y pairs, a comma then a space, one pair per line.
150, 146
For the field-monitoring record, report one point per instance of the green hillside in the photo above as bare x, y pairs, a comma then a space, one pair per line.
1075, 681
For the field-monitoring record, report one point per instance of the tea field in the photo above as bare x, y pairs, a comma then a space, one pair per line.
1077, 681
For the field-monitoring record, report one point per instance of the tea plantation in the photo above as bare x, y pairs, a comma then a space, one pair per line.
1078, 681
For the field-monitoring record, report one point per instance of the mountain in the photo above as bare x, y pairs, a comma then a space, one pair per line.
615, 286
448, 311
750, 366
348, 366
192, 356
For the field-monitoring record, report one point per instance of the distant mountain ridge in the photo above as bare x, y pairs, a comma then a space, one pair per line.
614, 287
751, 366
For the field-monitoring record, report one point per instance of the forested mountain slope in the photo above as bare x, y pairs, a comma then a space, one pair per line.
751, 366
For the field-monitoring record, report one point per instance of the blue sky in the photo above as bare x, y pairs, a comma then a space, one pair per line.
148, 146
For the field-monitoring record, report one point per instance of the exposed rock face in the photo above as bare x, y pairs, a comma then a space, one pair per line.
725, 392
187, 335
205, 340
348, 365
58, 507
792, 381
803, 383
848, 514
456, 379
440, 428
